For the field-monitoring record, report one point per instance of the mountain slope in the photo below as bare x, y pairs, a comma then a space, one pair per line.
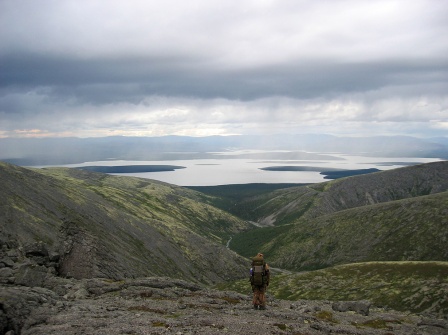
411, 229
381, 187
288, 205
115, 227
356, 219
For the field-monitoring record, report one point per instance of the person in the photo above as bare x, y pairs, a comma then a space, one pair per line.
259, 279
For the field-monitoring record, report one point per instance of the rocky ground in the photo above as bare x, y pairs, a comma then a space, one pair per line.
166, 306
35, 300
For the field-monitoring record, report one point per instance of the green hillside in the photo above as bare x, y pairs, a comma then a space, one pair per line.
336, 222
345, 232
118, 226
418, 287
410, 229
286, 206
237, 198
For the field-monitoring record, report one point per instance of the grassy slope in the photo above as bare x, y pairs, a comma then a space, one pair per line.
410, 229
404, 229
237, 198
419, 287
288, 205
393, 215
141, 227
399, 215
146, 199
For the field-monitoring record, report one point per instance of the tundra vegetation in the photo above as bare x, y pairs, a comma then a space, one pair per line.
74, 235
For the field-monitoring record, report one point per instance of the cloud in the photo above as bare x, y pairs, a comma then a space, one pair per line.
229, 33
213, 67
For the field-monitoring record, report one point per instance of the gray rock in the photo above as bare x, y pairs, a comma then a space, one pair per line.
168, 306
31, 275
443, 324
77, 294
13, 255
360, 307
6, 275
36, 249
3, 322
18, 302
53, 256
7, 261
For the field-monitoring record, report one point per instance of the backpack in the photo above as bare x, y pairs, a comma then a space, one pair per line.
258, 271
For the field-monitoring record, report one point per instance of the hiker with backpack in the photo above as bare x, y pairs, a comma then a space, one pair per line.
259, 279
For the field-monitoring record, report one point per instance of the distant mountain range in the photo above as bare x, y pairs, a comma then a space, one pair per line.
50, 151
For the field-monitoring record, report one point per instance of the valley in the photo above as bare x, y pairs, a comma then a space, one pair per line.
382, 229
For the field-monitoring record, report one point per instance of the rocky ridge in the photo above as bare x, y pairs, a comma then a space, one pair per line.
165, 306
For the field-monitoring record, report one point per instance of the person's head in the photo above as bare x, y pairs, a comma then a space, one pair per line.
260, 254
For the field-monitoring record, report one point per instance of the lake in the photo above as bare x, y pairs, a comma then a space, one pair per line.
235, 170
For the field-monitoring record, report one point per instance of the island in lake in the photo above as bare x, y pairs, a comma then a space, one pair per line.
329, 173
131, 168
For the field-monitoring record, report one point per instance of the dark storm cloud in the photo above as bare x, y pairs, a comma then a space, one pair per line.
130, 80
223, 66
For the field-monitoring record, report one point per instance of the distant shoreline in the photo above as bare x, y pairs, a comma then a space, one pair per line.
329, 173
132, 168
213, 172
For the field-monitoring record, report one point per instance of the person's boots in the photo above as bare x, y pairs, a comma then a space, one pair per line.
263, 307
255, 306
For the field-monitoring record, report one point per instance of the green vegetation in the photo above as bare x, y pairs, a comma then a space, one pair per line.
346, 173
251, 242
409, 229
377, 324
136, 227
175, 206
404, 286
282, 326
326, 316
236, 199
329, 173
384, 222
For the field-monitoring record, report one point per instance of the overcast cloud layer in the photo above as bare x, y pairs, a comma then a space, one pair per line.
205, 67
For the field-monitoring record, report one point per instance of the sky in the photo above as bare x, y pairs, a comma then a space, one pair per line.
92, 68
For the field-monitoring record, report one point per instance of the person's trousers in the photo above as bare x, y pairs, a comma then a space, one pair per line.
259, 295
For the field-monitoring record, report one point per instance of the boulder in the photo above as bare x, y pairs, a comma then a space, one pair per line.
17, 303
6, 262
361, 307
31, 275
35, 249
6, 276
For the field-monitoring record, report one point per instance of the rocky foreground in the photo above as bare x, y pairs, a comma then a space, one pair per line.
167, 306
36, 300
